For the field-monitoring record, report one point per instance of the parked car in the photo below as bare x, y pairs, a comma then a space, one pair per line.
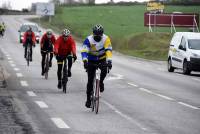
24, 27
184, 52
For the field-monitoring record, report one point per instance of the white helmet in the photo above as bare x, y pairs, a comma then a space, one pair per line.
66, 32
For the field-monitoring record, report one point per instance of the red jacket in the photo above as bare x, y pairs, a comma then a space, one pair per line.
44, 38
33, 38
64, 48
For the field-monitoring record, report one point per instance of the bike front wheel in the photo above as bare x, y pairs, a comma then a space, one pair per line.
97, 97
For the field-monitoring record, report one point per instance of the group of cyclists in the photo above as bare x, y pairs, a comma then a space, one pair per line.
2, 28
96, 49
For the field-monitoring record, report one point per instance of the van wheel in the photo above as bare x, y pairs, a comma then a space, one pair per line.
170, 68
185, 68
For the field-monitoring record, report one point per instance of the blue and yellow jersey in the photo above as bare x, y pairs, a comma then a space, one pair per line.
95, 51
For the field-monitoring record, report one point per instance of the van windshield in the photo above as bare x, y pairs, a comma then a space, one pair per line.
24, 28
194, 44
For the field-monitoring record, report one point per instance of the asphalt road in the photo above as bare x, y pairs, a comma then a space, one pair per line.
140, 96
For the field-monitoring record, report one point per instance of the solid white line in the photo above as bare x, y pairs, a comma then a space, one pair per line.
19, 74
41, 104
24, 83
133, 84
196, 79
124, 115
188, 105
164, 97
31, 93
13, 65
16, 69
146, 90
59, 123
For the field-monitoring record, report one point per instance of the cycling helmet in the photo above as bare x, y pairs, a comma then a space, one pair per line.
49, 32
98, 29
66, 32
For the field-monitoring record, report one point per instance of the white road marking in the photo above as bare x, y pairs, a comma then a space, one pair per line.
60, 123
196, 79
31, 93
13, 65
16, 69
133, 84
115, 77
9, 58
7, 55
41, 104
19, 74
146, 90
188, 105
124, 115
24, 83
10, 61
164, 97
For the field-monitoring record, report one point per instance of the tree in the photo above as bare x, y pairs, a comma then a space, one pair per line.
6, 5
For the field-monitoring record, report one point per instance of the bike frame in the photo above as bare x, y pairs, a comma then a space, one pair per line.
65, 75
28, 53
47, 64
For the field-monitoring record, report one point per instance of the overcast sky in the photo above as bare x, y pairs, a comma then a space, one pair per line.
19, 4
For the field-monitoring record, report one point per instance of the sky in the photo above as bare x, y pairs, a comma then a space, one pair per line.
19, 4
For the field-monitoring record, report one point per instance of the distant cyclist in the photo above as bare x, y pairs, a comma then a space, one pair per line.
46, 44
2, 29
65, 48
97, 49
29, 37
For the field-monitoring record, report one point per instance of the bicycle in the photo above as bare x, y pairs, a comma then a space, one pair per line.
95, 96
65, 75
46, 65
28, 54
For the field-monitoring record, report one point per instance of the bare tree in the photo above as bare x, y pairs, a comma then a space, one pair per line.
6, 5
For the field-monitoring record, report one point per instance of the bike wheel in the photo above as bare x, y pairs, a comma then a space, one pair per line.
28, 58
46, 68
97, 97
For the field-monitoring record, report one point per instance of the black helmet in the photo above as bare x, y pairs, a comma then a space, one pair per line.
98, 29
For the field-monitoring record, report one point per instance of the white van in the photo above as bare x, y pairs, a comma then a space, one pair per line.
184, 52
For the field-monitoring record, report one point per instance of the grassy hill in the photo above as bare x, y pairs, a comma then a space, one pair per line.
124, 24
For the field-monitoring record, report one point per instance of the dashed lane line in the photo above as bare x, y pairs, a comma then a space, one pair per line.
41, 104
19, 74
164, 97
24, 83
13, 65
188, 105
16, 69
9, 58
196, 79
133, 84
31, 93
124, 115
146, 90
60, 123
10, 61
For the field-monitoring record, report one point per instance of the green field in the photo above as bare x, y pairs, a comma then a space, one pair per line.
124, 24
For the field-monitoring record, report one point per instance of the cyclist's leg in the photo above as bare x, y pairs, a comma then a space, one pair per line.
103, 69
59, 71
69, 58
91, 74
43, 61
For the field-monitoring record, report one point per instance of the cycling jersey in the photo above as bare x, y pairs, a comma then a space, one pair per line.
46, 43
95, 51
29, 38
63, 48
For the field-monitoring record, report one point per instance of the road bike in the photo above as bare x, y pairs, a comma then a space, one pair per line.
46, 65
28, 53
65, 74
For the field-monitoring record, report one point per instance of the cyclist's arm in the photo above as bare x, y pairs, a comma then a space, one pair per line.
42, 41
85, 50
73, 46
33, 38
56, 46
108, 49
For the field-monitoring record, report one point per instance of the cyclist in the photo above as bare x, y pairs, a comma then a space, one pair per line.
97, 49
46, 45
1, 29
65, 48
29, 37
